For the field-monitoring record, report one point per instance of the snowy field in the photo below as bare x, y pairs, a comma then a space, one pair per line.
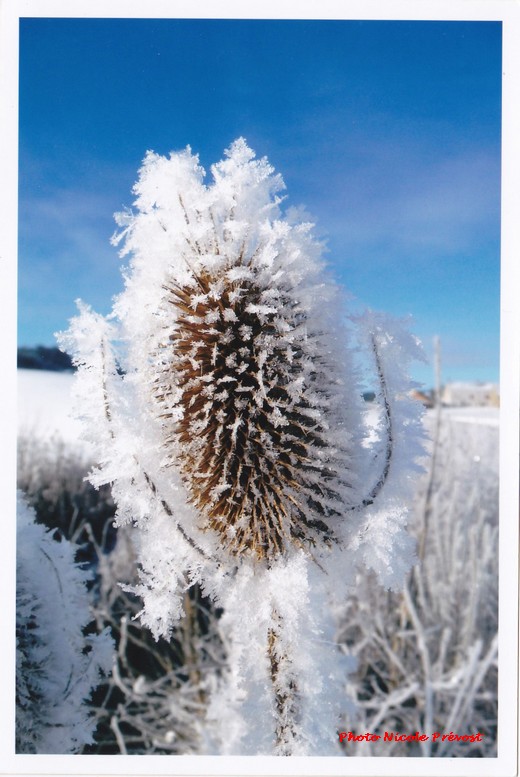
45, 404
482, 416
473, 431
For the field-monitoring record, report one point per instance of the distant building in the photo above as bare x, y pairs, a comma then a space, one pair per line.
470, 395
421, 396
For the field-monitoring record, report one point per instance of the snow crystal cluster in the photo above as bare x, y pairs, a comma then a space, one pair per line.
57, 666
227, 412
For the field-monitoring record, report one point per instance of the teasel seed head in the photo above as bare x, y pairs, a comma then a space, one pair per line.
244, 359
253, 399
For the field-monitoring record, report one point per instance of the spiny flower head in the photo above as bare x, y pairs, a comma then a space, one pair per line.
241, 356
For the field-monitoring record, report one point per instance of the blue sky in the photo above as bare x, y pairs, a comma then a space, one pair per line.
387, 132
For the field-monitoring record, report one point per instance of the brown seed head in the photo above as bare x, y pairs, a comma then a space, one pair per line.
250, 443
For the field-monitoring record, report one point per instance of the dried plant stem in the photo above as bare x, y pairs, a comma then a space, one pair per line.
114, 725
388, 423
168, 510
190, 632
106, 402
285, 689
428, 498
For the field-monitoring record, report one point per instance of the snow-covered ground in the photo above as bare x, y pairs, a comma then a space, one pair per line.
471, 434
483, 416
44, 405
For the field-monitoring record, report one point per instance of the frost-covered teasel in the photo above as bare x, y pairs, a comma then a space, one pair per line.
246, 383
233, 431
243, 361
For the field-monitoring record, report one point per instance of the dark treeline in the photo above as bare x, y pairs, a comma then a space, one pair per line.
40, 357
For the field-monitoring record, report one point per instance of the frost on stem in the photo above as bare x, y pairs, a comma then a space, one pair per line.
234, 440
384, 543
285, 689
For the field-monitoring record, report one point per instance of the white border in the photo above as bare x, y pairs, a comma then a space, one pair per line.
507, 11
414, 10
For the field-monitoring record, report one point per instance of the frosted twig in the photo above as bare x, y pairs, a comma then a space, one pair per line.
426, 664
168, 510
284, 689
392, 701
106, 403
114, 725
374, 493
427, 511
